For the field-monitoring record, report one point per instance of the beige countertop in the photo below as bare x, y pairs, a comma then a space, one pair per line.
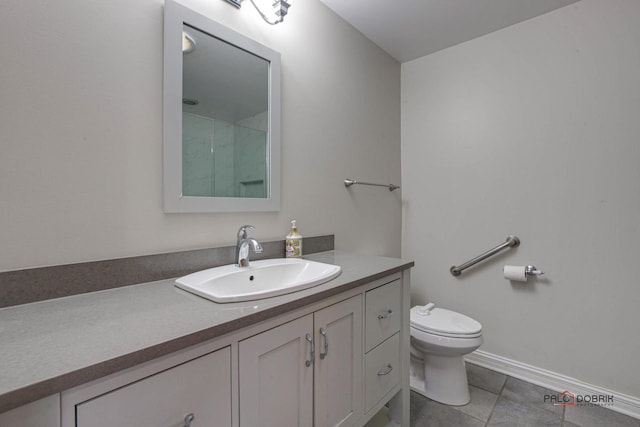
50, 346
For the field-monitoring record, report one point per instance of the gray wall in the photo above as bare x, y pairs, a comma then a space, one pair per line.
81, 133
533, 130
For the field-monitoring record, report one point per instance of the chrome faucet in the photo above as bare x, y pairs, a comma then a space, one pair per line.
242, 246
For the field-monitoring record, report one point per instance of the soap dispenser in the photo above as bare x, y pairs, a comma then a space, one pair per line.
293, 242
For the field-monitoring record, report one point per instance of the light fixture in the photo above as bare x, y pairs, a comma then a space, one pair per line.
188, 43
280, 9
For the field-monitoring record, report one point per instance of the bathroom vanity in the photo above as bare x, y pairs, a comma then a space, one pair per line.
153, 354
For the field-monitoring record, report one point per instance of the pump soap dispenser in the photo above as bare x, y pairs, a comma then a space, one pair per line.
293, 242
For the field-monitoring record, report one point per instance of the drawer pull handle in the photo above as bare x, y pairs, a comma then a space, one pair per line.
386, 370
386, 315
312, 354
325, 351
188, 419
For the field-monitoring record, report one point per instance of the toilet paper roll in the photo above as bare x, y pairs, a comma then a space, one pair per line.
515, 273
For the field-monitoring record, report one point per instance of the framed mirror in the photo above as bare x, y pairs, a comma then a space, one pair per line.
221, 118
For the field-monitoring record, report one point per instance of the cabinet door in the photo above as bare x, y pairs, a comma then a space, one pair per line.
338, 369
201, 387
276, 376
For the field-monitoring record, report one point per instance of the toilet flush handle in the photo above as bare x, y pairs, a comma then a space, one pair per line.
426, 310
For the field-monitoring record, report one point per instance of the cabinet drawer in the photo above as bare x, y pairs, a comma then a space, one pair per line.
383, 316
201, 387
382, 370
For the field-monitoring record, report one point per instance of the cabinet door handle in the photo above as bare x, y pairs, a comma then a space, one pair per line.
387, 314
386, 370
312, 354
188, 419
325, 351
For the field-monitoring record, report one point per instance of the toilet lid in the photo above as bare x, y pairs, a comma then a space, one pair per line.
445, 322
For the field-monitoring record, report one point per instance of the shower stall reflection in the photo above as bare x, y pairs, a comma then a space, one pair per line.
222, 159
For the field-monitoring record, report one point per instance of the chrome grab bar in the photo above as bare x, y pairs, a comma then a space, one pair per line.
511, 242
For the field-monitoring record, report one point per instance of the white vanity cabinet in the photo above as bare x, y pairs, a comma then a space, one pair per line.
334, 362
307, 372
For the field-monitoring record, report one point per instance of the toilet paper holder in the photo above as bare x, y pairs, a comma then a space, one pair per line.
531, 270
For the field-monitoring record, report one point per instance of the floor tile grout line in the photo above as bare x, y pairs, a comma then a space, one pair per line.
494, 404
497, 400
469, 415
528, 404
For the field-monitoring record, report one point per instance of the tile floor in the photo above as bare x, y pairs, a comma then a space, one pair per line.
500, 400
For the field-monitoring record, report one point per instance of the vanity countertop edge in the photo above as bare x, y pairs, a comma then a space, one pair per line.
54, 345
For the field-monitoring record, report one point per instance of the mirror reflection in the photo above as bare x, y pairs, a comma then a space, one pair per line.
221, 117
225, 119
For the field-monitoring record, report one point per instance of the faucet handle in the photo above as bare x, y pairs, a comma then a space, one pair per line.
242, 231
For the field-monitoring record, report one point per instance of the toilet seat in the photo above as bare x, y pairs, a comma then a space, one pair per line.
446, 323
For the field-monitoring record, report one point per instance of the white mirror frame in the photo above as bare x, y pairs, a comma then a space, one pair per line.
175, 15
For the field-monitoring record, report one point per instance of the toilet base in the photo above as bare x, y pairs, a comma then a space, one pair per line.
443, 379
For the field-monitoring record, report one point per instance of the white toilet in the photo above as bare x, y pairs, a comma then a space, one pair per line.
439, 340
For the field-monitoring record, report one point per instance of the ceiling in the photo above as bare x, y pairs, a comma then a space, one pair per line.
409, 29
228, 83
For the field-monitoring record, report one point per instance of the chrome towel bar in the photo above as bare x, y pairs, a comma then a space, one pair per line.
511, 242
349, 182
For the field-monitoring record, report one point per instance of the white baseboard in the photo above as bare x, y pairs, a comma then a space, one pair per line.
622, 403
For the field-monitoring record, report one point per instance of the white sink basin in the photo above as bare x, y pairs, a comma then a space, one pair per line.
262, 279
